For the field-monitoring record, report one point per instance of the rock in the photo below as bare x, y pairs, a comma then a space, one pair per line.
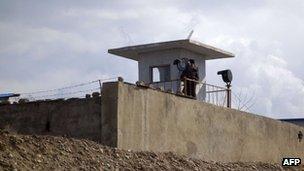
59, 153
101, 150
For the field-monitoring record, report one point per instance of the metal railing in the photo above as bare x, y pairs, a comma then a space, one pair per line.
203, 91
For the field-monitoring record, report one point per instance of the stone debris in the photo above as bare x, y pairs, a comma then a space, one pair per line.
33, 152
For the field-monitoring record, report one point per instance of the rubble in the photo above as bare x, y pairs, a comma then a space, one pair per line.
33, 152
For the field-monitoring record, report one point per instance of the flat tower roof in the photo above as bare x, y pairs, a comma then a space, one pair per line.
207, 51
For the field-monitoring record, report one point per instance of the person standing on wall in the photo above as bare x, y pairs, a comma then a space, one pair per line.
190, 78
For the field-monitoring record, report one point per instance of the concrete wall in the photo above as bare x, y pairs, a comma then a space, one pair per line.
148, 119
166, 57
132, 117
79, 118
109, 113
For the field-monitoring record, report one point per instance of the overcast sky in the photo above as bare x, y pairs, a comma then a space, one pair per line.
48, 44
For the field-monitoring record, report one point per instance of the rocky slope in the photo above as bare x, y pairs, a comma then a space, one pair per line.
31, 152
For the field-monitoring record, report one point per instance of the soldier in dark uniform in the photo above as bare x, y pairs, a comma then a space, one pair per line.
190, 78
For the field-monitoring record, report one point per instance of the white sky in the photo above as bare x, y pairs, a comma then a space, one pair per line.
48, 44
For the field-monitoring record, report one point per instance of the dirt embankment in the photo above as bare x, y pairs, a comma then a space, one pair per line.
22, 152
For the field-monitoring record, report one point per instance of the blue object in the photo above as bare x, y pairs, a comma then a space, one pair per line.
6, 96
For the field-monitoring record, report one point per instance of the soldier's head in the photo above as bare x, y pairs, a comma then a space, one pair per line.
191, 61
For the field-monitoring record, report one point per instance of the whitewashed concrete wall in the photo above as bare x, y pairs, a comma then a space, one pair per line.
166, 57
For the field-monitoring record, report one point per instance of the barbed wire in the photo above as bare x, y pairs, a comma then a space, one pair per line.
76, 90
69, 93
68, 87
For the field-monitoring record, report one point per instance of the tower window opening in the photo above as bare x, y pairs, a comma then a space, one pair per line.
160, 73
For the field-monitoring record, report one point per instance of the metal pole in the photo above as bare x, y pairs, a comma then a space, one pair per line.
100, 86
228, 95
100, 116
185, 86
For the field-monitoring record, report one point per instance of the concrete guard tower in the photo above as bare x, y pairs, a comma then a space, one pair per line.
155, 61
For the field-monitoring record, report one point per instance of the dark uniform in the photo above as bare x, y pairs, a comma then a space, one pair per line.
191, 72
